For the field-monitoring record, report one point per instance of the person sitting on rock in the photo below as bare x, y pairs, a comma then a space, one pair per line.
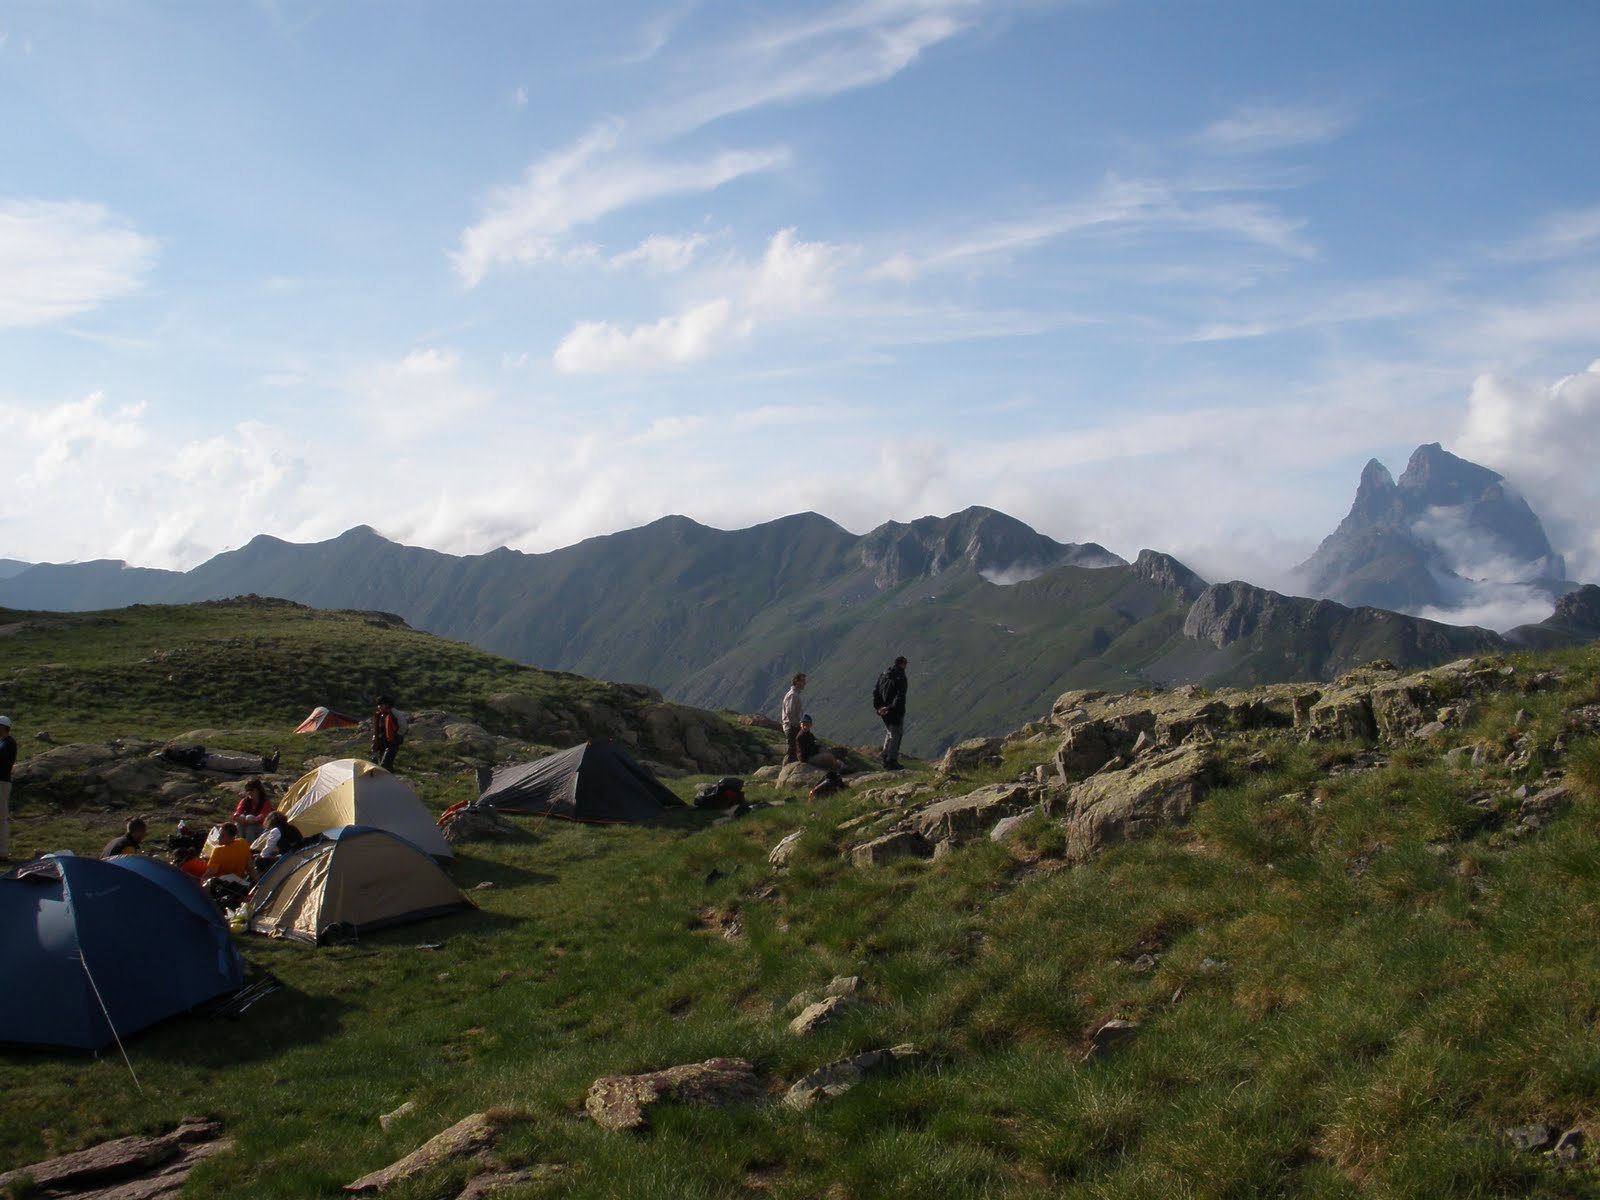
128, 843
811, 752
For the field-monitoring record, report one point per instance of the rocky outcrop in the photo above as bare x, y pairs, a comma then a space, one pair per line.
1121, 806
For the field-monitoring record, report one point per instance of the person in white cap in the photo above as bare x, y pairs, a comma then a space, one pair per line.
8, 758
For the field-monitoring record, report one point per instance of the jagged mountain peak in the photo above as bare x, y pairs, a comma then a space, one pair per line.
1432, 540
1168, 574
1000, 547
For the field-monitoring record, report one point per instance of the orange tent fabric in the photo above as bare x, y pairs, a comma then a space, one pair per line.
323, 717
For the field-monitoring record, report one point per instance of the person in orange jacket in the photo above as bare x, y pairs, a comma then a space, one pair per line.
385, 733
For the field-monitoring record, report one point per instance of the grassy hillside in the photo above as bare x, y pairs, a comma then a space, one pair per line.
1353, 972
246, 671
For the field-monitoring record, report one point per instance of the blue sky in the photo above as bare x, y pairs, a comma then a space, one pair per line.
1147, 274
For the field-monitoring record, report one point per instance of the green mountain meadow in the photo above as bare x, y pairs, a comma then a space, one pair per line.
1362, 965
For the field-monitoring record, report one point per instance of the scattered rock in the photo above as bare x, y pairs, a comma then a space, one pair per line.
780, 854
800, 775
973, 754
967, 816
620, 1101
469, 1137
491, 1183
837, 1078
1569, 1147
891, 846
1532, 1137
129, 1168
815, 1016
389, 1118
1006, 828
840, 985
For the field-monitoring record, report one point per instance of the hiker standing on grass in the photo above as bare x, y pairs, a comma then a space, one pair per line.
889, 698
8, 759
792, 712
385, 733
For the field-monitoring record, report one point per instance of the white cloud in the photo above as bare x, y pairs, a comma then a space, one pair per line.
591, 179
595, 347
793, 277
53, 444
429, 362
1558, 235
1546, 441
846, 47
426, 391
1127, 207
1261, 128
660, 253
58, 259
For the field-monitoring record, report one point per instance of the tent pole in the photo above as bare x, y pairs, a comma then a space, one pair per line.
110, 1024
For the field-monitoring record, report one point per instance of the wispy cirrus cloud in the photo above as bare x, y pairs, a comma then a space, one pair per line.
583, 183
660, 253
1558, 235
1263, 128
849, 46
1127, 206
62, 258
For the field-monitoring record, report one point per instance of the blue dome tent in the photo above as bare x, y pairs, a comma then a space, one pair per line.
98, 950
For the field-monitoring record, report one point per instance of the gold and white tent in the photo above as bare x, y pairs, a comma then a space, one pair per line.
350, 882
351, 791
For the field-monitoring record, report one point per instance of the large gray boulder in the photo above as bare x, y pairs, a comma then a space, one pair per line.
1122, 806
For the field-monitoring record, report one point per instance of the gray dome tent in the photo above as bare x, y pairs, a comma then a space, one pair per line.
598, 781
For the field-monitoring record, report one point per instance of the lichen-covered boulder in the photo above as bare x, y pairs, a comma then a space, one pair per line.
972, 754
1122, 806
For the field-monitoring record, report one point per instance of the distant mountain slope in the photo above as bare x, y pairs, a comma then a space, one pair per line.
720, 619
1426, 541
11, 567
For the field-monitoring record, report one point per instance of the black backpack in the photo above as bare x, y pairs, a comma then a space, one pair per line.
880, 691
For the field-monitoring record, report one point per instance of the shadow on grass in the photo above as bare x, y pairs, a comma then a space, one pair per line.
469, 873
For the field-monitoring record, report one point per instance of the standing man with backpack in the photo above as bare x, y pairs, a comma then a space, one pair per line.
388, 731
889, 698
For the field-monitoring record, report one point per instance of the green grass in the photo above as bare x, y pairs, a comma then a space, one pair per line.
1355, 984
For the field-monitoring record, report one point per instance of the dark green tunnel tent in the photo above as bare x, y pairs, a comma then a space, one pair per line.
598, 781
